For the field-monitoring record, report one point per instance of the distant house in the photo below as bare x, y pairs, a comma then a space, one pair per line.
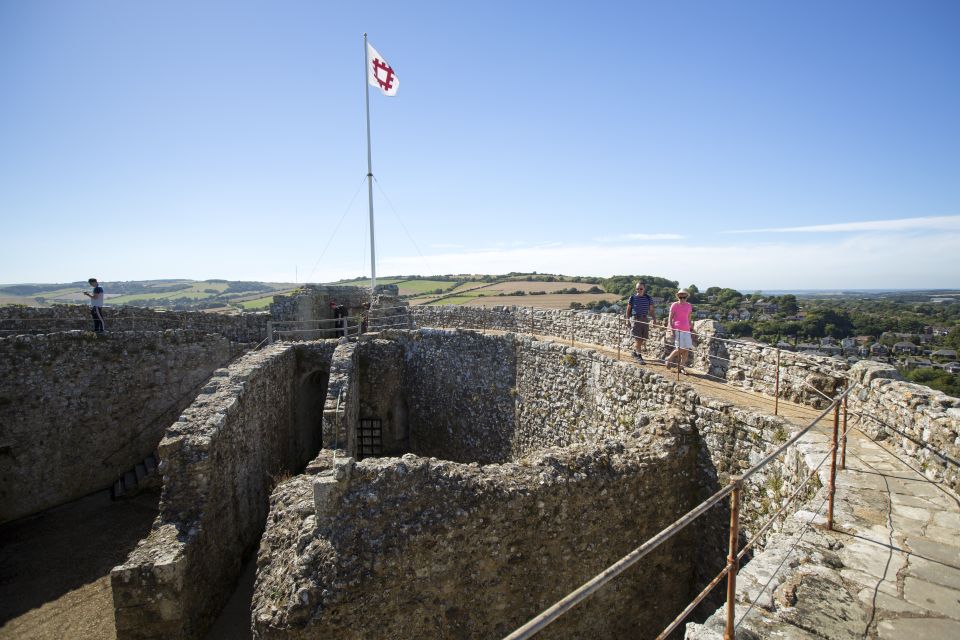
744, 315
831, 349
905, 347
952, 367
828, 340
877, 349
947, 354
917, 363
849, 343
808, 346
702, 314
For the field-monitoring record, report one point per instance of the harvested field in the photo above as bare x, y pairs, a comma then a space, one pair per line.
411, 287
550, 287
549, 301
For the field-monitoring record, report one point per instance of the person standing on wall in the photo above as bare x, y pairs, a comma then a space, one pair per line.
640, 313
680, 320
96, 304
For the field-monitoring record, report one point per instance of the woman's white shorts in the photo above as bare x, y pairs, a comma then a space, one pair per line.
682, 340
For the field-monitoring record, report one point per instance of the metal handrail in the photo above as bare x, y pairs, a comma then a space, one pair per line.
563, 605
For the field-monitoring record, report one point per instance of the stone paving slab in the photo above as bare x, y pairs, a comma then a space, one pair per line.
891, 570
918, 629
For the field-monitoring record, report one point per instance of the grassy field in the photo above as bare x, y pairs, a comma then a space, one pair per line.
257, 304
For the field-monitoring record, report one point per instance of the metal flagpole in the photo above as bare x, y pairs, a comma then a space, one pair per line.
366, 84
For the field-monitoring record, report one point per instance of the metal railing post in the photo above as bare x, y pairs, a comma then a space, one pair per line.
843, 448
776, 389
619, 340
269, 332
732, 559
833, 462
679, 360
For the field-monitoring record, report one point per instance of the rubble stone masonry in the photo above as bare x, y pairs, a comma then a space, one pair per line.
242, 328
923, 424
219, 463
78, 410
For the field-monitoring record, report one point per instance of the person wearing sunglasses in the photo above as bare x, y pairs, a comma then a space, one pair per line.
680, 321
640, 314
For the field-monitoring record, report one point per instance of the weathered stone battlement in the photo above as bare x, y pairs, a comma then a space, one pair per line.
243, 328
921, 423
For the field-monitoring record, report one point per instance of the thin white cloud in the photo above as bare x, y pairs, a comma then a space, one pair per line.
640, 236
441, 245
863, 261
930, 223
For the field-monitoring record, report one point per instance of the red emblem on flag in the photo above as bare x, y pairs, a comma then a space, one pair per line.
383, 74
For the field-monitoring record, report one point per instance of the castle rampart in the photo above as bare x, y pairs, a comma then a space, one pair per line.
241, 328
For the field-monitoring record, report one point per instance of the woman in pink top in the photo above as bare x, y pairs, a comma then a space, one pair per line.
679, 320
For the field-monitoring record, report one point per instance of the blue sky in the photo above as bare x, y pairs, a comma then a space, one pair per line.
747, 144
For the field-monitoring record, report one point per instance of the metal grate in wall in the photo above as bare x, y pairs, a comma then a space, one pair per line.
369, 438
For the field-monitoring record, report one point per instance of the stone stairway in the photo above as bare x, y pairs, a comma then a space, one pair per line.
144, 475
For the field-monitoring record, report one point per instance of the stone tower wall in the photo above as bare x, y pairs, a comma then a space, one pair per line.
78, 410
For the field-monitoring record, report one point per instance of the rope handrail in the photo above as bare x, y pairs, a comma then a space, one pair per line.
575, 597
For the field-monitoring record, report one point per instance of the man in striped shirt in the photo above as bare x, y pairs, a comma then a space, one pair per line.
641, 313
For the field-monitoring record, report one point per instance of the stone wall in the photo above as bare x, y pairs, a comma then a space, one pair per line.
341, 403
562, 402
456, 386
922, 424
494, 398
219, 463
804, 379
421, 548
244, 327
382, 396
78, 410
750, 366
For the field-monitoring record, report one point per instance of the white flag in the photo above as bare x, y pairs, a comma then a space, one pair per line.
380, 73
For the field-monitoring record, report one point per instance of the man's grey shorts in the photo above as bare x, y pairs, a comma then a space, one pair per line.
641, 327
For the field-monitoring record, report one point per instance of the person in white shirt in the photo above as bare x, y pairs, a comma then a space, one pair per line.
96, 304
